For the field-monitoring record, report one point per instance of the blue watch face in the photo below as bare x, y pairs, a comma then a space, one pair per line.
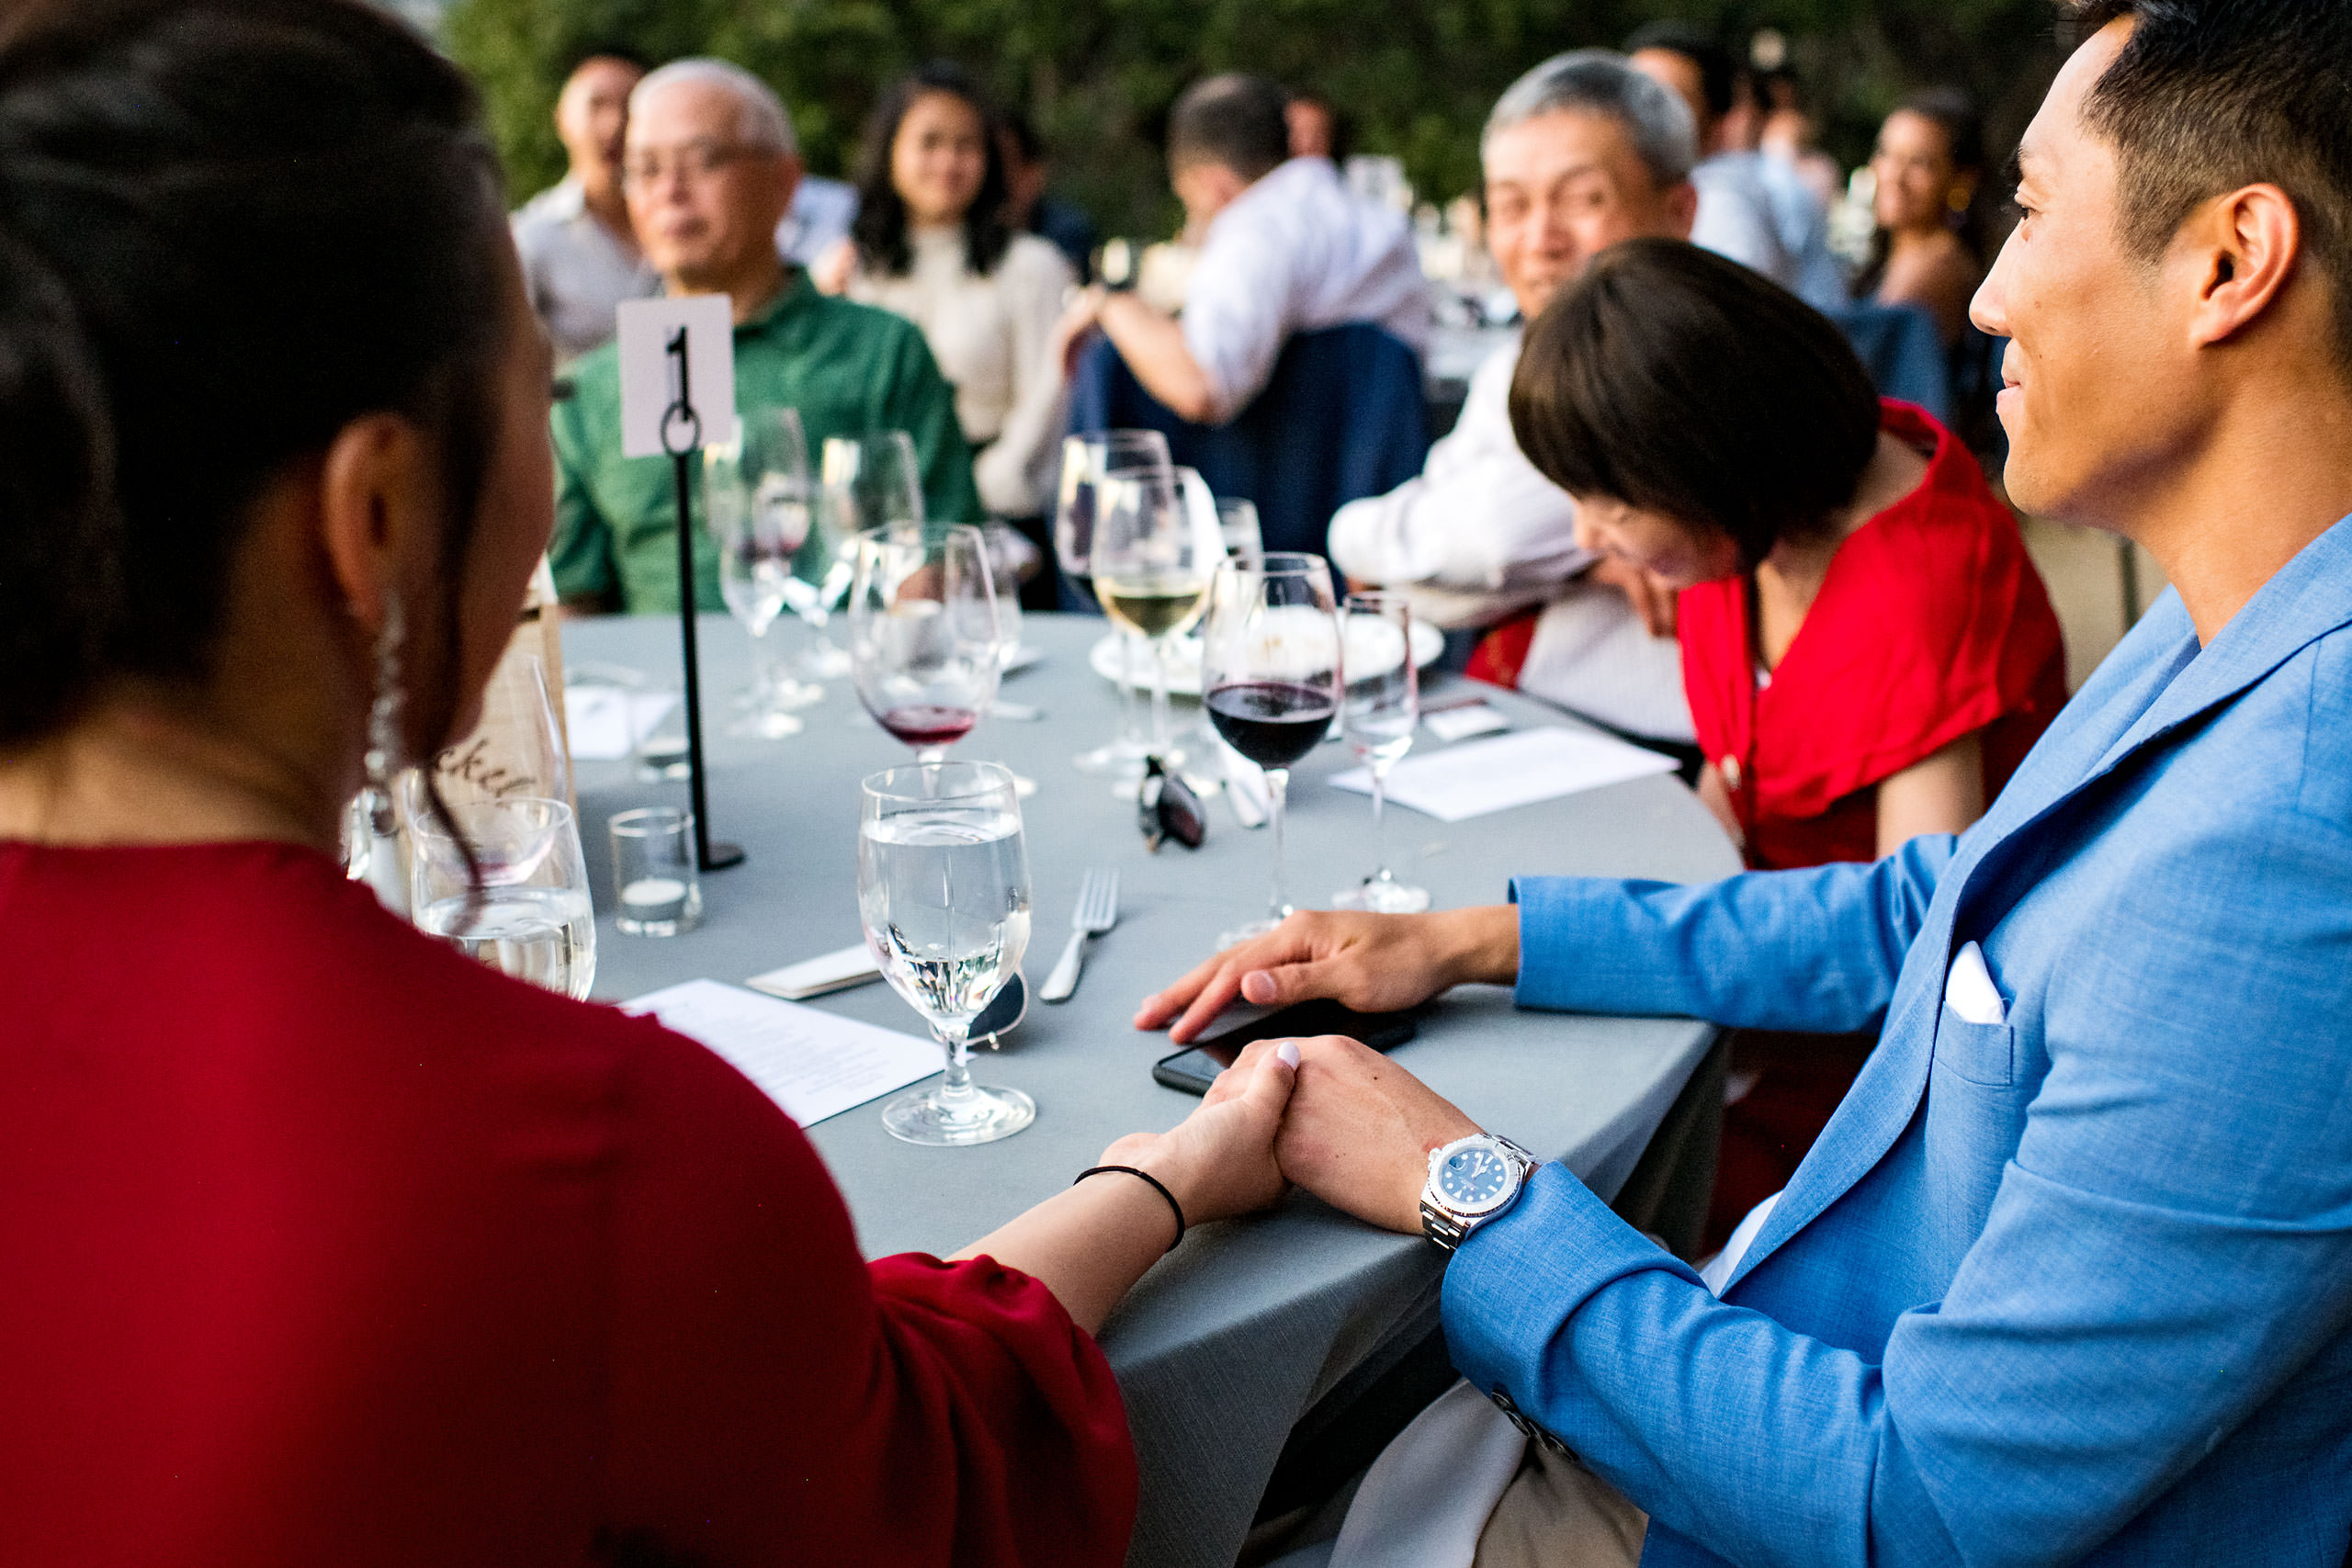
1472, 1178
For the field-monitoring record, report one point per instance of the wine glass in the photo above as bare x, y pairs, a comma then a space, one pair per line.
943, 894
1382, 705
870, 481
1085, 461
1152, 556
529, 916
1271, 677
1236, 523
922, 633
757, 496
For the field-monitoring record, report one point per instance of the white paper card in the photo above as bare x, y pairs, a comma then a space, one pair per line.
649, 375
811, 1063
605, 722
1475, 778
1968, 991
1460, 724
835, 971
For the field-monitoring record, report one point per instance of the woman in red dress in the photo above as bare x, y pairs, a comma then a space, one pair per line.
1868, 651
323, 1243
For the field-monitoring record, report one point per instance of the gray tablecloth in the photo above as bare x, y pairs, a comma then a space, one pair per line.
1223, 1345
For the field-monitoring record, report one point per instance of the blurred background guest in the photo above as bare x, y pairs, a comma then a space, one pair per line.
1868, 651
580, 256
817, 221
1029, 207
1791, 133
1929, 249
930, 243
326, 1243
1317, 130
709, 171
1580, 153
1283, 249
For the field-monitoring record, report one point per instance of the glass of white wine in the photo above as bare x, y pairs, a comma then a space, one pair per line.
1153, 556
1086, 460
943, 894
529, 914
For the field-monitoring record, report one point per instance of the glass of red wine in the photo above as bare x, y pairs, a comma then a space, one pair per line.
1271, 677
922, 633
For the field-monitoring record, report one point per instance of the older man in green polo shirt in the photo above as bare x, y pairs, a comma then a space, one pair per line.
709, 171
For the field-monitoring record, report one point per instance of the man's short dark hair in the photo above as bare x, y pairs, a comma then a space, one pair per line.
1718, 71
2209, 95
1233, 120
1674, 381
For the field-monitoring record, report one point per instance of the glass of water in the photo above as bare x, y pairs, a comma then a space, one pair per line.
943, 894
529, 916
1378, 710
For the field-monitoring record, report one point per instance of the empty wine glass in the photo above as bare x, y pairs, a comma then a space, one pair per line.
1382, 705
1153, 553
515, 749
1271, 678
530, 917
942, 896
1085, 461
870, 481
1237, 524
757, 497
922, 633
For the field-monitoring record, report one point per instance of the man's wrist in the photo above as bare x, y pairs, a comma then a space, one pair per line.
1479, 946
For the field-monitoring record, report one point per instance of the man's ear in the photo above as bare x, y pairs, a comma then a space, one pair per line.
378, 512
2244, 246
1682, 207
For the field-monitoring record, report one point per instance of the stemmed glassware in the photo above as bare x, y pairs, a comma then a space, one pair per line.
530, 917
1152, 556
943, 894
757, 497
1086, 461
922, 633
1377, 715
870, 481
1271, 677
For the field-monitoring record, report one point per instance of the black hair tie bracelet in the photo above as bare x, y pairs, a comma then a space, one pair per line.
1174, 1207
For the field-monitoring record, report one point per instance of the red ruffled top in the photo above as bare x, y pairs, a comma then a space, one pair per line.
325, 1245
1931, 625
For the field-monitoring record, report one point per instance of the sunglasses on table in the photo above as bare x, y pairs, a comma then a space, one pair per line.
1167, 809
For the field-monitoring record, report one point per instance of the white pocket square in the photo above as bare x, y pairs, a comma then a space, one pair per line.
1968, 991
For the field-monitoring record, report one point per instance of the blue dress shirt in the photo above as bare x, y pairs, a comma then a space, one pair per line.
2071, 1287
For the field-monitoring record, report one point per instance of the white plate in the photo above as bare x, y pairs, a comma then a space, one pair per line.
1184, 660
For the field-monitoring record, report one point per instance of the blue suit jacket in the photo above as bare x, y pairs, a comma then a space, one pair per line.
2077, 1287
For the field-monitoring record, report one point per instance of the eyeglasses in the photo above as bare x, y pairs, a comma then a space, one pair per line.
695, 162
1167, 809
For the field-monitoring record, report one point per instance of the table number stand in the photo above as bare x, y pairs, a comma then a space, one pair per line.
682, 438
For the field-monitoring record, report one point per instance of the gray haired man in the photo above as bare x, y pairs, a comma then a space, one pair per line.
1580, 153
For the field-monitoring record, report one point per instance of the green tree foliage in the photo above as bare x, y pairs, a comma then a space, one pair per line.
1415, 77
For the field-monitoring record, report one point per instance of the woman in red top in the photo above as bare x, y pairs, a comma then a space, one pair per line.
1868, 651
323, 1243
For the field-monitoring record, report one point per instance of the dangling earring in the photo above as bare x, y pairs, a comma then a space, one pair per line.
382, 758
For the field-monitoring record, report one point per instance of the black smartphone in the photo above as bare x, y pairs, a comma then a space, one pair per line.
1195, 1068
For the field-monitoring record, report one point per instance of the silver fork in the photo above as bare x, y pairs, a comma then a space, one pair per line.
1098, 911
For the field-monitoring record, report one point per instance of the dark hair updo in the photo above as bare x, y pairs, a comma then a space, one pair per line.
228, 228
1671, 380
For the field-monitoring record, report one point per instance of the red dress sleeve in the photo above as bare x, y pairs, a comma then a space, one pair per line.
1931, 625
774, 1399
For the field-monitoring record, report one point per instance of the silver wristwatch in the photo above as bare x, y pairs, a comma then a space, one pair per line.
1471, 1180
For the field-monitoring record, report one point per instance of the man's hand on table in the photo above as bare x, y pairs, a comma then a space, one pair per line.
1359, 1128
1370, 963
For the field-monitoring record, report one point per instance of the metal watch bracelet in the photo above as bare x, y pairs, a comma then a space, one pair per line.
1448, 1229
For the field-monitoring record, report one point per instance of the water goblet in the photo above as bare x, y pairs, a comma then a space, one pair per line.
1377, 715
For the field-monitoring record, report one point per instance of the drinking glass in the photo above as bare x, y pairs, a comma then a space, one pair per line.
870, 481
1006, 552
757, 497
922, 633
1271, 677
513, 749
1085, 461
1237, 524
1382, 705
1153, 553
530, 916
654, 875
943, 894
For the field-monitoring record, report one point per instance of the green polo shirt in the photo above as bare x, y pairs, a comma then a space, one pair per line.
849, 370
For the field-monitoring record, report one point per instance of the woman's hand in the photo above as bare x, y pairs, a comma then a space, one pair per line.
1652, 599
1371, 962
1219, 1161
1359, 1132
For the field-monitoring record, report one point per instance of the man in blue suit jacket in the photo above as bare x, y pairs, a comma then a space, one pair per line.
2069, 1276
